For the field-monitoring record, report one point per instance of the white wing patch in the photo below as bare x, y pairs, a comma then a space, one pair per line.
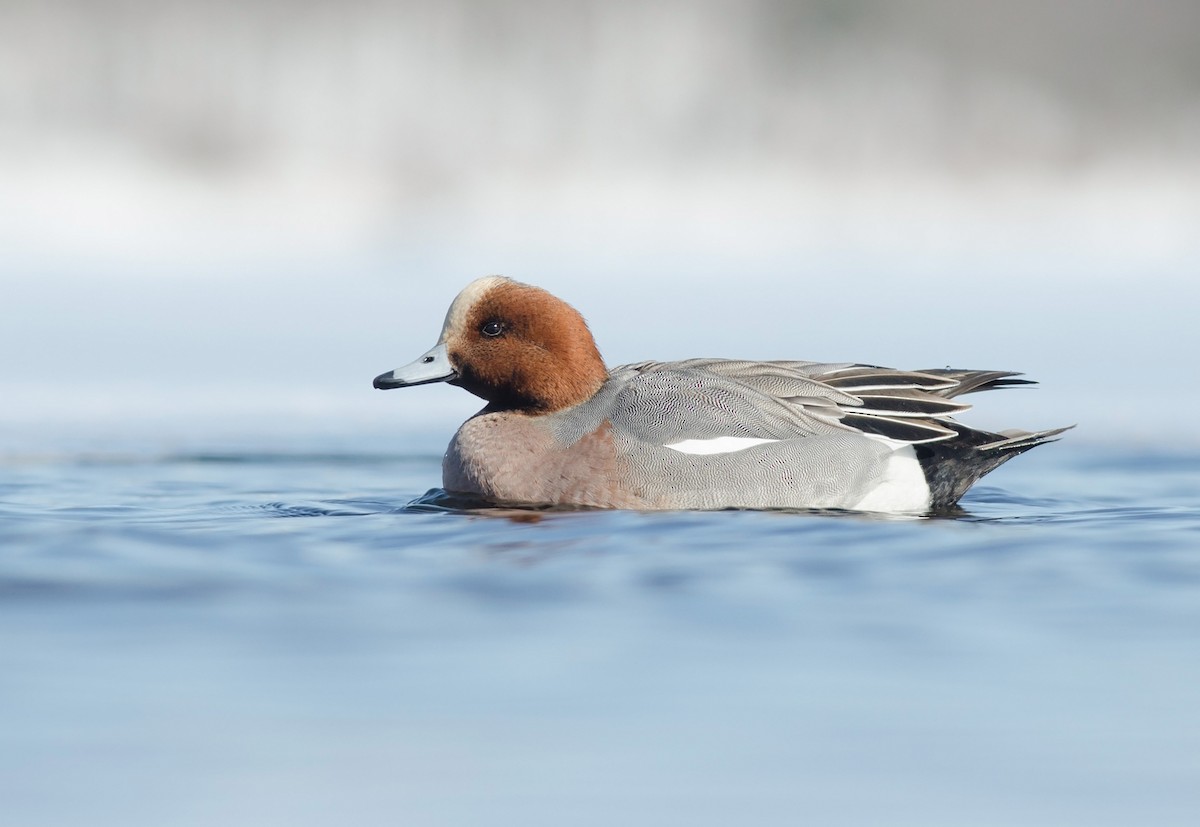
718, 445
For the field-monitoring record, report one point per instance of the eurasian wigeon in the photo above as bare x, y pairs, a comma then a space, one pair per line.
562, 429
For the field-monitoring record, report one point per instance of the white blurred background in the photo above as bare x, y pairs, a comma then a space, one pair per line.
233, 214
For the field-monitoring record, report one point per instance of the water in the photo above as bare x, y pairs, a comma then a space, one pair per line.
222, 634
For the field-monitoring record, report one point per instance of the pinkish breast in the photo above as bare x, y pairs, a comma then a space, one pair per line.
514, 458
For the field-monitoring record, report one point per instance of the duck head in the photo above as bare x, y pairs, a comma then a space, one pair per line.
515, 345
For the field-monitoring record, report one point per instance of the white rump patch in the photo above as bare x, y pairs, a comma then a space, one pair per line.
718, 445
903, 487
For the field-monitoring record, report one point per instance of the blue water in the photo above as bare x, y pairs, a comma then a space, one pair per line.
222, 634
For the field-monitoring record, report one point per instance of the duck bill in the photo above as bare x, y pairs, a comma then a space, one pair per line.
433, 366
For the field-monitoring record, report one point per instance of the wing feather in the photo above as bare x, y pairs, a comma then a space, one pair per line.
709, 398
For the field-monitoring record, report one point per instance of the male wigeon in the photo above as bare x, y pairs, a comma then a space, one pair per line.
562, 429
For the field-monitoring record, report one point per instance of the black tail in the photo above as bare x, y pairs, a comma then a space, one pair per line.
954, 465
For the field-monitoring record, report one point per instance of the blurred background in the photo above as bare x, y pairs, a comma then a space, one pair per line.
232, 214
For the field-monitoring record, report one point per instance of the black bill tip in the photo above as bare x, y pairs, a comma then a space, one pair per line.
386, 381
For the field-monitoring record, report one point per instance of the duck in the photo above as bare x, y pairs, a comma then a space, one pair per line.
560, 429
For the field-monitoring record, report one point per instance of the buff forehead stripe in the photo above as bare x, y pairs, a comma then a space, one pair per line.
456, 316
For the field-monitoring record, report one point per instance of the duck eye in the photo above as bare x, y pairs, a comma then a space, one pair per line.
492, 328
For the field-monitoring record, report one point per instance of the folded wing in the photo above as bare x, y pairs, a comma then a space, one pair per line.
711, 398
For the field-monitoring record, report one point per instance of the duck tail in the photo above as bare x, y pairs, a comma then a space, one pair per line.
1015, 442
954, 465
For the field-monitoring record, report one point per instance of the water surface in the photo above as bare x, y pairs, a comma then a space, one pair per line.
226, 634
